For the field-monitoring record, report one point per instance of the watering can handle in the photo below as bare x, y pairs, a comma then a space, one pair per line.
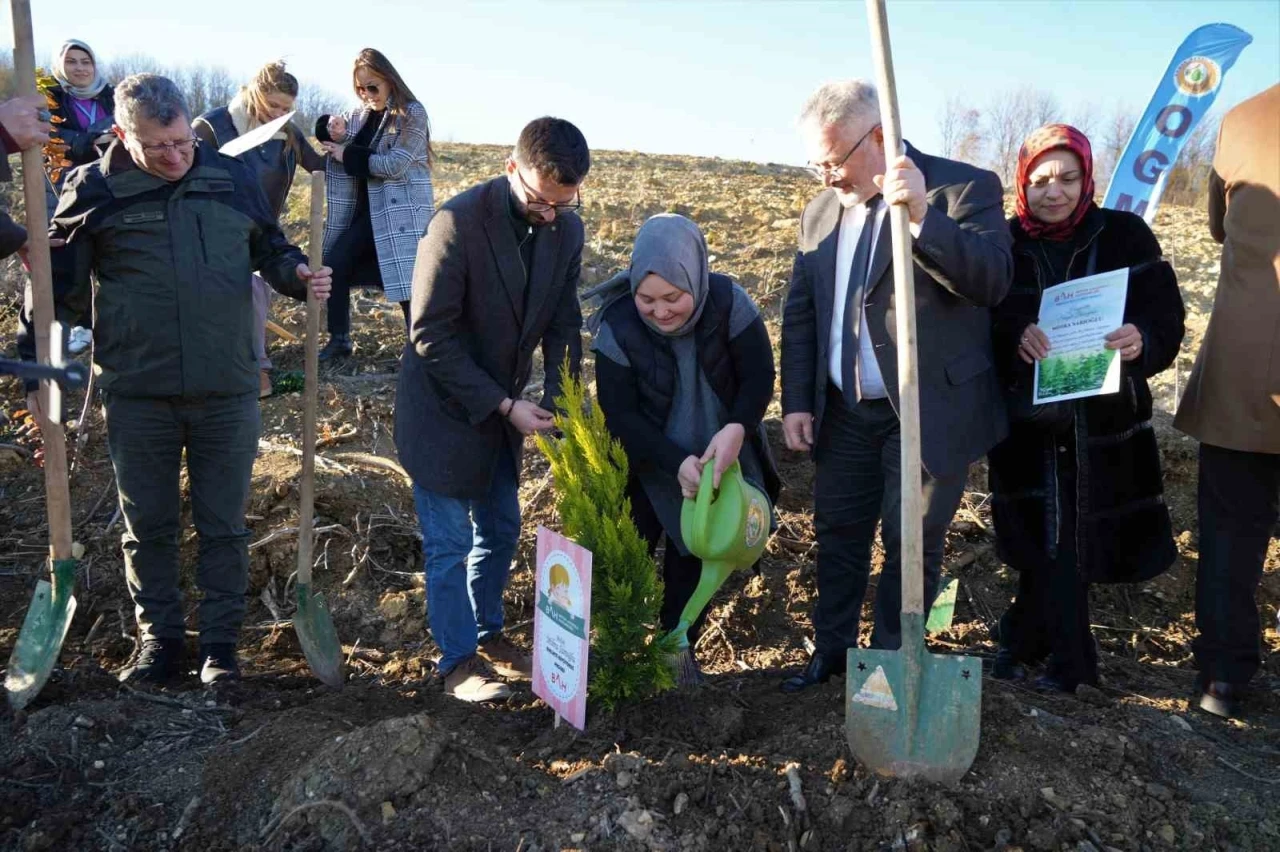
706, 495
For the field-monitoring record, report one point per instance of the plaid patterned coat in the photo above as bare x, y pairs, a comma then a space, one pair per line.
401, 199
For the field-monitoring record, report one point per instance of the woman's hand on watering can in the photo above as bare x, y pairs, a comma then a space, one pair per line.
724, 448
690, 476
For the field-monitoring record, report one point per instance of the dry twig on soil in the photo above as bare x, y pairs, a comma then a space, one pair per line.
323, 803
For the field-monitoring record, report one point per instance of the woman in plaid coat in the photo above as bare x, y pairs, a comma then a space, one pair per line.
378, 191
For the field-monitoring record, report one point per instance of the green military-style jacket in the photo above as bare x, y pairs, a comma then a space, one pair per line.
173, 311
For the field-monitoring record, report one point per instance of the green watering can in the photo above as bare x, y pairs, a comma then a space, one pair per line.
727, 529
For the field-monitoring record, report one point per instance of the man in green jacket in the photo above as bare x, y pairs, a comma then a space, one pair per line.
173, 232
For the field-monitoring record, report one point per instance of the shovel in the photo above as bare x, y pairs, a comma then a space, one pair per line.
726, 528
45, 627
909, 713
944, 608
312, 620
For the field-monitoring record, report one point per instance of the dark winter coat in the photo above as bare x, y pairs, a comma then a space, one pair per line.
637, 400
1123, 532
12, 235
274, 162
174, 261
476, 319
81, 141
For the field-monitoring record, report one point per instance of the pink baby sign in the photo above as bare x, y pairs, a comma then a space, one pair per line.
562, 626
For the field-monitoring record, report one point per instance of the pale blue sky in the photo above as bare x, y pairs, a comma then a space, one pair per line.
717, 78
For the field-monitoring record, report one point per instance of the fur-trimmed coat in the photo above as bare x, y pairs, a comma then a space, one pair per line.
1123, 529
401, 198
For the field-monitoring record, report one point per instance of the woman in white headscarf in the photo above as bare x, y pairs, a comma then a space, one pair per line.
85, 105
684, 376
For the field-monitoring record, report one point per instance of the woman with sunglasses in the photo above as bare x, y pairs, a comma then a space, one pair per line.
271, 95
378, 192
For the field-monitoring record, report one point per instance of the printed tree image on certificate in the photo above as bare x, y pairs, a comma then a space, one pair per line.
1077, 316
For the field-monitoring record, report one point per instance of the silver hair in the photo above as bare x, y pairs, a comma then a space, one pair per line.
841, 102
149, 96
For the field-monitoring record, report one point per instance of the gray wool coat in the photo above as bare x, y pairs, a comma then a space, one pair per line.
401, 199
473, 331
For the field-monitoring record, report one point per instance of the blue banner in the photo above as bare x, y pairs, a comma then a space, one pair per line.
1186, 91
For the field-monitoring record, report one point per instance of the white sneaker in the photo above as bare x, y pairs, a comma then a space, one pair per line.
80, 340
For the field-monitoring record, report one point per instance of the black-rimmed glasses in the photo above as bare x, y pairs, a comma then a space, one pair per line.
541, 205
371, 89
821, 171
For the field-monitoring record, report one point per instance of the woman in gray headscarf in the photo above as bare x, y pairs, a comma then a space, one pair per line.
684, 375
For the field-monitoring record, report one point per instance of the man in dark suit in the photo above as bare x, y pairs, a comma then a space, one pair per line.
496, 275
840, 360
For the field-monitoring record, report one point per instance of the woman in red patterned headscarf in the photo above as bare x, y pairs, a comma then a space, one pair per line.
1076, 487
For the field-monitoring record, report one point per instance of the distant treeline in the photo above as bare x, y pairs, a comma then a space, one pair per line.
206, 87
990, 135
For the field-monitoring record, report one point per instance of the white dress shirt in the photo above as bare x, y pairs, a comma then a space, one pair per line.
852, 221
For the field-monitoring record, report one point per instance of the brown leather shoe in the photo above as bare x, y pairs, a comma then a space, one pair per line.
471, 680
507, 659
264, 384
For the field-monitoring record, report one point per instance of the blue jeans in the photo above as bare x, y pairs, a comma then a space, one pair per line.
468, 546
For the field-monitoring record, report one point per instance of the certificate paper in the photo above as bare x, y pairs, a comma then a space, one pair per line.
1077, 316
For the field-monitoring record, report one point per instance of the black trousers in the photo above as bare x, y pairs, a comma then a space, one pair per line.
680, 573
1239, 500
354, 261
1050, 615
858, 461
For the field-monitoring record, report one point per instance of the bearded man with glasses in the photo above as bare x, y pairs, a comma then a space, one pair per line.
840, 360
496, 277
173, 232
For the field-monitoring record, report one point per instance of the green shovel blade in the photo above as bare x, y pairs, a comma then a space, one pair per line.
943, 609
317, 636
913, 714
43, 631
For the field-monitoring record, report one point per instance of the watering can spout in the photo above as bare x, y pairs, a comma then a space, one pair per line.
726, 528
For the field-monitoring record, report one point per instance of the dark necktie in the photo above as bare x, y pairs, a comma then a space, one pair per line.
853, 304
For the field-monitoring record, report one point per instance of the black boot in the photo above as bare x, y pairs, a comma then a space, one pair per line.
339, 346
1006, 666
1219, 697
220, 665
157, 661
819, 670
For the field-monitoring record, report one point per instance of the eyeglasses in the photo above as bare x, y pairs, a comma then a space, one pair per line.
183, 146
541, 205
371, 89
820, 171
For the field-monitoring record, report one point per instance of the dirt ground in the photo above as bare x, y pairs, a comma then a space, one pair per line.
390, 763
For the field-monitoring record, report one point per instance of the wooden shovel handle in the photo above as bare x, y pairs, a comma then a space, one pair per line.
57, 491
306, 513
905, 309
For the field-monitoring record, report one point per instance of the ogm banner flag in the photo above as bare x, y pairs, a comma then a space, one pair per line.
1186, 91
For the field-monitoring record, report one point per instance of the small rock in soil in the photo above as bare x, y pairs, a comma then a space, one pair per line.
838, 813
1167, 834
638, 824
